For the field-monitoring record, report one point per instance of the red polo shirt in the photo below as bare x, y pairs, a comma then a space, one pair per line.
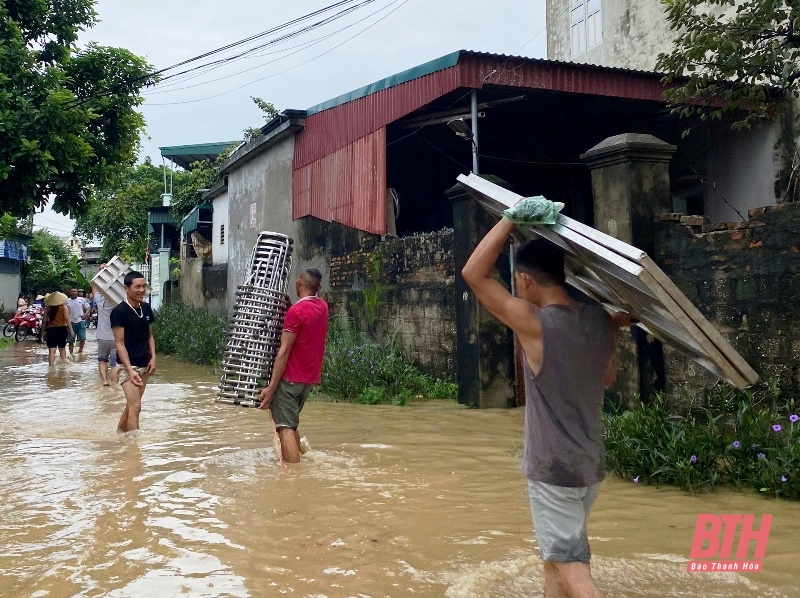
308, 319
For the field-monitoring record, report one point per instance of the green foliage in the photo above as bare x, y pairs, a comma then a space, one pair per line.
356, 369
117, 210
10, 227
193, 334
269, 111
51, 266
67, 114
730, 438
730, 59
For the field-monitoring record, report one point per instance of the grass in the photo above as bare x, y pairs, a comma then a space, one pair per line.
741, 438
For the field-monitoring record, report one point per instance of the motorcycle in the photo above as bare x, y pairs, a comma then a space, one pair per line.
26, 321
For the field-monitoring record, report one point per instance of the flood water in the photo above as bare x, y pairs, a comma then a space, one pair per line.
423, 501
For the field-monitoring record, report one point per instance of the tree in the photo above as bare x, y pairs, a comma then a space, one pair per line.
117, 211
741, 62
50, 266
67, 115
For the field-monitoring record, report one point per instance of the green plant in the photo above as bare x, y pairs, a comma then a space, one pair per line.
193, 334
745, 438
357, 369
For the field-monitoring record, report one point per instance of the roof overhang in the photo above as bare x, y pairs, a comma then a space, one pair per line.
285, 125
184, 155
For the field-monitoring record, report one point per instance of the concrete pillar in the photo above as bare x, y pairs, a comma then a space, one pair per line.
485, 347
630, 186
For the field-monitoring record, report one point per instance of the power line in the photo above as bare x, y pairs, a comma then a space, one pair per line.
402, 3
153, 74
298, 48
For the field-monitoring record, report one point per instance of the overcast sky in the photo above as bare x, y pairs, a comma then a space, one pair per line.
410, 33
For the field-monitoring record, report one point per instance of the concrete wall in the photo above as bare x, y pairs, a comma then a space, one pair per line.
741, 171
219, 251
191, 284
634, 33
266, 181
745, 278
10, 285
402, 290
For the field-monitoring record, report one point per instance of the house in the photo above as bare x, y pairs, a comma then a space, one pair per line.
363, 184
13, 252
171, 242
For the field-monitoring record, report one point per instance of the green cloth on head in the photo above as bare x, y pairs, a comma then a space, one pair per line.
534, 211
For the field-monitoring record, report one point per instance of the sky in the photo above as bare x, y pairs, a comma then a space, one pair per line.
378, 40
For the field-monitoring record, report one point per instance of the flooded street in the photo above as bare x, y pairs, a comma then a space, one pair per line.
424, 501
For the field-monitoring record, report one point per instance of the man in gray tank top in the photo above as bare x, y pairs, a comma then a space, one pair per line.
569, 361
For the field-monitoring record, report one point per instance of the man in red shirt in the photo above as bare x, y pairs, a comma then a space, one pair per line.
298, 365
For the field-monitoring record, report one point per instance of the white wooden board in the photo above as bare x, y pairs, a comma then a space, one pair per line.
624, 278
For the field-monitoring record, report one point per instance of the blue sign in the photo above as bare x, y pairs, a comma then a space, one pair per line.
13, 250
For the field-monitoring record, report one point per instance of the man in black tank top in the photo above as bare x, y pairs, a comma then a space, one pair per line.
569, 361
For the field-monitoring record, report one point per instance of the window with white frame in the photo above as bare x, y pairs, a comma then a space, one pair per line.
586, 25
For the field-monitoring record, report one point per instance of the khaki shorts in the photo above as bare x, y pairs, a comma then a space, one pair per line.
287, 403
559, 520
124, 377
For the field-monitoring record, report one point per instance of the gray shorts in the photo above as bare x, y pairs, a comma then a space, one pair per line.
104, 349
124, 376
559, 520
287, 403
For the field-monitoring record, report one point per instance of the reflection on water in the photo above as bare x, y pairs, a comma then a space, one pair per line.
424, 500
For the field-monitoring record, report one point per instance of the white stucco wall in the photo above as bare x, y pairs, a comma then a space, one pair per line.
219, 251
742, 167
9, 292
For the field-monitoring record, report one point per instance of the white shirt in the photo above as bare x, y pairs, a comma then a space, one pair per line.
104, 309
77, 307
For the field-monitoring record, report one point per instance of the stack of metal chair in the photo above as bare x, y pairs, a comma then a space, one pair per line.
257, 322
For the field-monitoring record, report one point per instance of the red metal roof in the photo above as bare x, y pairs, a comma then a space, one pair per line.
331, 180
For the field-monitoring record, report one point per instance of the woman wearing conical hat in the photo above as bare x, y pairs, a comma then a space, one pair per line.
56, 325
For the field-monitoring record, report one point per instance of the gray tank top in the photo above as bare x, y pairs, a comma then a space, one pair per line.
564, 401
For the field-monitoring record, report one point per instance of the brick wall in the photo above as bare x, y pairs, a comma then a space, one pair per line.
404, 289
745, 278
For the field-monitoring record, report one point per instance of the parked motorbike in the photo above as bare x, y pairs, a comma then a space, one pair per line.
26, 321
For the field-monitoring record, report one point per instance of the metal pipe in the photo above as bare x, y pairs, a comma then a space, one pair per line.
474, 131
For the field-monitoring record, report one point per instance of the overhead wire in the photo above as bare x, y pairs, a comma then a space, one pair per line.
402, 3
110, 90
298, 48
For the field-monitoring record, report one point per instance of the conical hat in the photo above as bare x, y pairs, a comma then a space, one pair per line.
57, 298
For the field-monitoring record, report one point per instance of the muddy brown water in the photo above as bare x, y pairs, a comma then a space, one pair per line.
424, 500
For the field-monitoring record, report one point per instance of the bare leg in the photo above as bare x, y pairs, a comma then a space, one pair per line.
114, 374
552, 583
80, 346
290, 445
51, 355
133, 406
71, 348
574, 579
63, 353
102, 366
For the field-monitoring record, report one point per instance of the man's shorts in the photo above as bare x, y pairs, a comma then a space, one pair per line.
80, 332
287, 402
56, 337
104, 349
559, 520
123, 376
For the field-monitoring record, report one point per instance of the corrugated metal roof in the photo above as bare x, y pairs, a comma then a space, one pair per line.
341, 133
184, 155
202, 212
159, 215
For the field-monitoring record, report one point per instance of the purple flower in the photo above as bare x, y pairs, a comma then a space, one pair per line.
736, 444
784, 478
636, 480
761, 456
776, 428
794, 417
693, 458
